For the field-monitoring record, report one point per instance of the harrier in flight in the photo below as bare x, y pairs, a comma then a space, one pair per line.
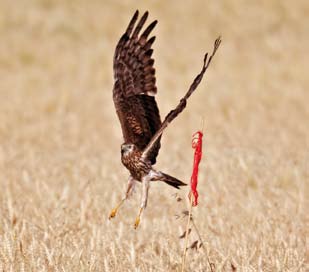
134, 98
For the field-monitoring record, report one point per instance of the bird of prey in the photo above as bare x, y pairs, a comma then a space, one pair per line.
134, 98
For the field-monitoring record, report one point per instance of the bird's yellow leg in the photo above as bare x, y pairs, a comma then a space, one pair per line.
114, 211
145, 182
130, 186
138, 218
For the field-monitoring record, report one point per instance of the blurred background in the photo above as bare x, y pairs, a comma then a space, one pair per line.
60, 169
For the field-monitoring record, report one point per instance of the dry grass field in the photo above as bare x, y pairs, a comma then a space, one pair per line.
60, 169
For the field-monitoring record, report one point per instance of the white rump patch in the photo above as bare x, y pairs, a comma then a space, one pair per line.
149, 93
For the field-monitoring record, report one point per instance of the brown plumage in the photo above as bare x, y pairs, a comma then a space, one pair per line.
135, 86
137, 110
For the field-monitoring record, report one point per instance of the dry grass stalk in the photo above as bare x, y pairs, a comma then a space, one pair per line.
58, 130
184, 254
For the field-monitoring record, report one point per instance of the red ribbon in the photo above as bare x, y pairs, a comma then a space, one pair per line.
197, 145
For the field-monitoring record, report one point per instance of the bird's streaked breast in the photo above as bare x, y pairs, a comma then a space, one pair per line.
137, 167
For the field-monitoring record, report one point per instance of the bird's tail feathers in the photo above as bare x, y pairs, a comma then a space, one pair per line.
171, 180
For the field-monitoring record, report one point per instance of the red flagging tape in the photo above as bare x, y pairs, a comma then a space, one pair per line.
197, 145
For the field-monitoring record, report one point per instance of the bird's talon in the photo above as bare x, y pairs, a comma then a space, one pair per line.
112, 214
136, 224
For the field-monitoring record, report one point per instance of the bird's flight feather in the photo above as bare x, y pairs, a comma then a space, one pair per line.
183, 102
135, 86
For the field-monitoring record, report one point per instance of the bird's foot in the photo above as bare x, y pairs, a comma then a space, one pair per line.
137, 220
112, 214
114, 211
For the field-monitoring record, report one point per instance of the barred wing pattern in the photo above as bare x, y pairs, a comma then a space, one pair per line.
135, 87
183, 102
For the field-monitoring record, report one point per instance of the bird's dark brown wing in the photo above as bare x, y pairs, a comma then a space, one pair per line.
135, 86
183, 102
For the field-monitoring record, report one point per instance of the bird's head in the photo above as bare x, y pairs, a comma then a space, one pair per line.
127, 149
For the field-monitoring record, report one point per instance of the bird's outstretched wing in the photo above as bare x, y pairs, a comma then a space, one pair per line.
183, 102
135, 86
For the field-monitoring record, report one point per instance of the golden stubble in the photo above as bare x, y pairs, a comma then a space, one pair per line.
60, 170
